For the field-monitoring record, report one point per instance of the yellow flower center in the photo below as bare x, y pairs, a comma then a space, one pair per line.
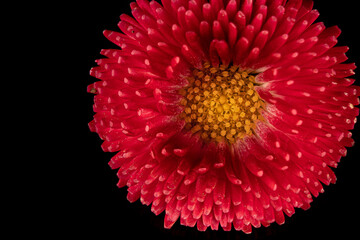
221, 103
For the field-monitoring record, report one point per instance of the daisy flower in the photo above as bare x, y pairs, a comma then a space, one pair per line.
226, 113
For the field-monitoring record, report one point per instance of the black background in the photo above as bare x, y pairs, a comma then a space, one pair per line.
90, 204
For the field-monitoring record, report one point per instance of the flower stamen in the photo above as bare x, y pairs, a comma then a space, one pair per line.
221, 103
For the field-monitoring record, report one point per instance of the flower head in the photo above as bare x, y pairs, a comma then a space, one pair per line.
224, 112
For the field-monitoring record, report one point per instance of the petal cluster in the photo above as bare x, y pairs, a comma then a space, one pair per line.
301, 76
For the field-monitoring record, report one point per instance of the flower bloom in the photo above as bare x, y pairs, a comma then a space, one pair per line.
224, 112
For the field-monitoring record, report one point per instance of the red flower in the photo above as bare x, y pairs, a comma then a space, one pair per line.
224, 112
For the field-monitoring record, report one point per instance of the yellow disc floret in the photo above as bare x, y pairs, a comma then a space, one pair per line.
221, 103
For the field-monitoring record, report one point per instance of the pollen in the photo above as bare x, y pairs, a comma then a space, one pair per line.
221, 103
